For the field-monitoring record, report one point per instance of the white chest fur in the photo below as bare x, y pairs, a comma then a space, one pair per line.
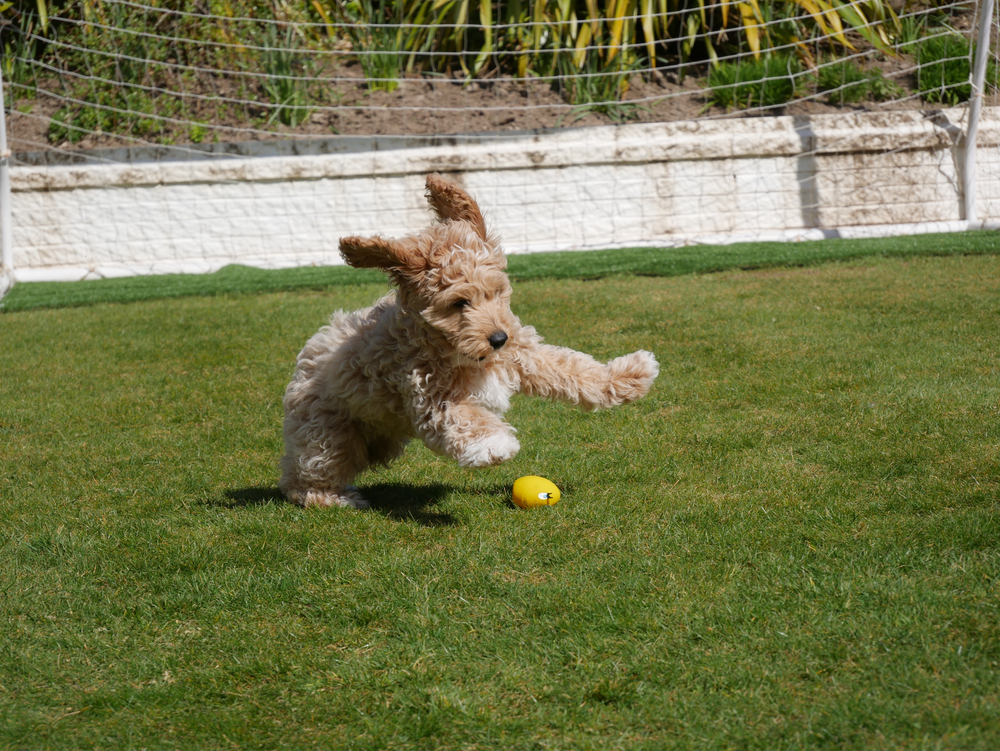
493, 391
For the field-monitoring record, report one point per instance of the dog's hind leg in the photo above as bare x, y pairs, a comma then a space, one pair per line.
382, 449
324, 452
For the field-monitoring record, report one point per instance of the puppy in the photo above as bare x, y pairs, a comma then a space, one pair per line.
437, 359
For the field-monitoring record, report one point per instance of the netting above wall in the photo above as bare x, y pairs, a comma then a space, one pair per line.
186, 135
114, 73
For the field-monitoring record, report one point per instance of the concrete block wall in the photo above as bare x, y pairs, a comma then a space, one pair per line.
660, 184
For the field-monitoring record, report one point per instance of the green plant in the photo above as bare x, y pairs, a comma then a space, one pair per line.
848, 84
288, 76
106, 110
373, 27
769, 82
153, 48
943, 68
197, 132
882, 89
595, 76
911, 28
129, 67
774, 25
597, 89
120, 54
530, 38
18, 52
845, 81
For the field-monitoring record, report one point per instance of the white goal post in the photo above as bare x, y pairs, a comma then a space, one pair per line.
6, 243
982, 51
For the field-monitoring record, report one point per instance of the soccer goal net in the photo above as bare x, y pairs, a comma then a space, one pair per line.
157, 136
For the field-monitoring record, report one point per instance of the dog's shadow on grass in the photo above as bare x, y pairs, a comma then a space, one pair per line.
393, 500
244, 497
410, 503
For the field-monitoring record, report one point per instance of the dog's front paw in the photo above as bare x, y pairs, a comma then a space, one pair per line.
491, 449
631, 377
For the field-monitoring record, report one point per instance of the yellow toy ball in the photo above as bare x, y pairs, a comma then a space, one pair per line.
532, 492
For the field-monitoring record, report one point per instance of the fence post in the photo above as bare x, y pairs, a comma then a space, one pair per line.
6, 248
975, 108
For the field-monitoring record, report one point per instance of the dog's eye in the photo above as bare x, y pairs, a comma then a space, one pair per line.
460, 304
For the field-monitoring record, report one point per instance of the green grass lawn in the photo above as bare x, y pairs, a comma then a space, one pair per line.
793, 542
695, 259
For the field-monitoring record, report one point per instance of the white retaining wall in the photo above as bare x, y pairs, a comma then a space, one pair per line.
619, 186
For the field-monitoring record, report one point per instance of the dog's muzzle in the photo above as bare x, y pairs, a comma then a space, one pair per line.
497, 339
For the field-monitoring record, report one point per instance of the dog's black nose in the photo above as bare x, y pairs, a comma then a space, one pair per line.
497, 339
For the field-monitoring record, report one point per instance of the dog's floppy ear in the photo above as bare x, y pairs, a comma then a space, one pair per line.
378, 253
453, 204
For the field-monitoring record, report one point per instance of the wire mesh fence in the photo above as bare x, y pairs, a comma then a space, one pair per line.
112, 73
803, 82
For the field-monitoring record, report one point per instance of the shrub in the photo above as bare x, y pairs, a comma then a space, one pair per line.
531, 38
379, 46
882, 89
848, 84
845, 82
110, 110
769, 82
943, 69
287, 83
